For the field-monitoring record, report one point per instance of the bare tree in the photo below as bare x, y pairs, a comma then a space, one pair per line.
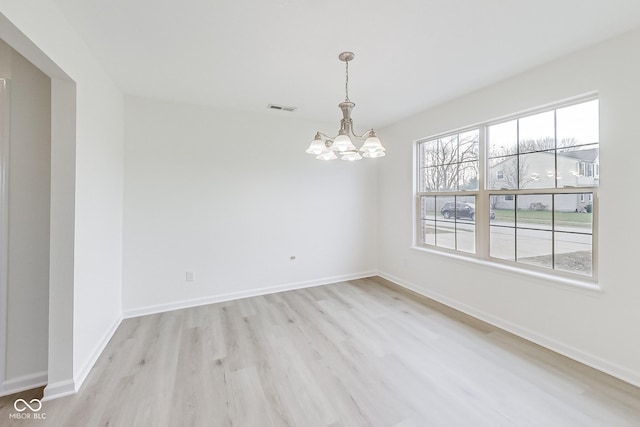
535, 145
450, 162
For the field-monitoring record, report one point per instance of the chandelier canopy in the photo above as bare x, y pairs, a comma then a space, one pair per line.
325, 147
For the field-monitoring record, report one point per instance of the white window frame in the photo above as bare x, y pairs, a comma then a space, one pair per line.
449, 193
482, 225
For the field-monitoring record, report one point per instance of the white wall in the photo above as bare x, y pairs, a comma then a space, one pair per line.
28, 216
87, 188
599, 328
230, 197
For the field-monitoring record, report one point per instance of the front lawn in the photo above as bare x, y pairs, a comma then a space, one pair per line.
566, 219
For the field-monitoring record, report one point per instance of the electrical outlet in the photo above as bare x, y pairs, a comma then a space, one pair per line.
190, 277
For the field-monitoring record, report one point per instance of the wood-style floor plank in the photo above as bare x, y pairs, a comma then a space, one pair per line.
359, 353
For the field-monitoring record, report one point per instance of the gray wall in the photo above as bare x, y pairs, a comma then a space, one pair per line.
28, 237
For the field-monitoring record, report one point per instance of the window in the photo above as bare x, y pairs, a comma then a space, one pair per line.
448, 184
533, 203
586, 169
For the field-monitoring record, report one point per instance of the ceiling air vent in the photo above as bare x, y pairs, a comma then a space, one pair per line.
280, 107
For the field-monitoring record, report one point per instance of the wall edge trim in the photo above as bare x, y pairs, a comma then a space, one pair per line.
58, 389
81, 376
25, 382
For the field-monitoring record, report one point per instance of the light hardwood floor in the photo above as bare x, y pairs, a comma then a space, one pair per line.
350, 354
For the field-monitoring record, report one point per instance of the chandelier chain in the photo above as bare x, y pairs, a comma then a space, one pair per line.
346, 82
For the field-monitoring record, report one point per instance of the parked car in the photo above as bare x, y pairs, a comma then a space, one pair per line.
462, 210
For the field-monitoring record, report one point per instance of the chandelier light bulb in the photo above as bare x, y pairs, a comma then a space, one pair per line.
327, 155
373, 154
343, 143
372, 144
351, 156
317, 146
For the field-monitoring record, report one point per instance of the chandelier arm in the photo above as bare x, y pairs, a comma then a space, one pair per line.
366, 133
331, 138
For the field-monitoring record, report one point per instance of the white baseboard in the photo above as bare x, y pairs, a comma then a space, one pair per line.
613, 369
79, 378
59, 389
160, 308
26, 382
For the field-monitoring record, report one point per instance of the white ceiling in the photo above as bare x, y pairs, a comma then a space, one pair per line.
410, 54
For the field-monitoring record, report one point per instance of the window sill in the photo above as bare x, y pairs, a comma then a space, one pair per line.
576, 283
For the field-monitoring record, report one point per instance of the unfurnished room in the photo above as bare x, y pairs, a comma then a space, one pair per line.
339, 213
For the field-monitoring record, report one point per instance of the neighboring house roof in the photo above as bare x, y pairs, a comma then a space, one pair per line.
589, 155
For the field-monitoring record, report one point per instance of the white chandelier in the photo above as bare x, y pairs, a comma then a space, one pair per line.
325, 147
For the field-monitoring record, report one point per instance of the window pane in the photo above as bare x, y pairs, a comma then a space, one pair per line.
468, 146
428, 216
503, 243
445, 234
503, 173
428, 232
446, 205
440, 178
534, 211
450, 163
502, 206
579, 166
428, 207
448, 179
466, 223
536, 133
534, 247
573, 213
503, 139
466, 208
468, 176
578, 124
430, 179
424, 178
447, 151
537, 170
573, 222
428, 153
466, 236
573, 253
